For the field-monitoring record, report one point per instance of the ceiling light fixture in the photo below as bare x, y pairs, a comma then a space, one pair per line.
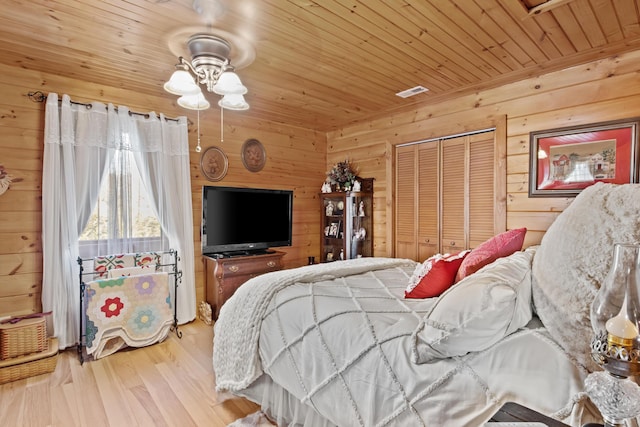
210, 66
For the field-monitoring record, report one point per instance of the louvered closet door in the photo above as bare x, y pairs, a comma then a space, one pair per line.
405, 209
453, 196
446, 197
428, 180
482, 200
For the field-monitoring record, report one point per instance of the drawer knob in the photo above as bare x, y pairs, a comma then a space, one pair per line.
271, 263
234, 268
453, 243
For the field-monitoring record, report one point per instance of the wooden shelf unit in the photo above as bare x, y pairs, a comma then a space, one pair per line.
346, 225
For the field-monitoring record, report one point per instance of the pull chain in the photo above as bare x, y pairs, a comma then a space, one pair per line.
198, 148
221, 125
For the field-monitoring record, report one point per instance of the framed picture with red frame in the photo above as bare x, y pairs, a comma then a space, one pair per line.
564, 161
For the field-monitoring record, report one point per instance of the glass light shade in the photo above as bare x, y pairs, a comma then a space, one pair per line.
229, 84
181, 83
194, 102
617, 302
233, 102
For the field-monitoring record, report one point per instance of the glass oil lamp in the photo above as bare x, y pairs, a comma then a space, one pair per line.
615, 319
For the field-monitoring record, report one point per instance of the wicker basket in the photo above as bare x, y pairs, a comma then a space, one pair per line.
31, 365
22, 338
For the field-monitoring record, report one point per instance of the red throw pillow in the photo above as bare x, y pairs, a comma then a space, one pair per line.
434, 276
504, 244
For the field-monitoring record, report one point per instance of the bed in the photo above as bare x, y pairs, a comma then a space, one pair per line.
338, 344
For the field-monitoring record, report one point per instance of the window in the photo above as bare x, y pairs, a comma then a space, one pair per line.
124, 219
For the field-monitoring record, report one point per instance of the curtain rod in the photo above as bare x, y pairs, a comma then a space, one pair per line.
443, 138
39, 96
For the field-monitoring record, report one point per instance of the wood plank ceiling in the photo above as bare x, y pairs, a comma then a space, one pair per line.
320, 64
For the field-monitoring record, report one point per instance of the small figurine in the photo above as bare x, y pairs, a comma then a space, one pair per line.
361, 209
356, 185
329, 208
326, 187
205, 312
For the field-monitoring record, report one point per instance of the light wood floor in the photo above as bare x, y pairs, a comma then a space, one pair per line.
166, 384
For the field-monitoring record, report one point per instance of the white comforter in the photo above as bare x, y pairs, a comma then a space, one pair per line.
338, 338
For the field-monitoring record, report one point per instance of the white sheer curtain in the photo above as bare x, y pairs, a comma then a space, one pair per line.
80, 143
161, 152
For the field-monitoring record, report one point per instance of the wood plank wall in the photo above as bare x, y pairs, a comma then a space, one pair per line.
298, 158
594, 92
295, 160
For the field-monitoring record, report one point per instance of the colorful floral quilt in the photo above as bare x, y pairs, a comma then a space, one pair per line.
132, 311
102, 264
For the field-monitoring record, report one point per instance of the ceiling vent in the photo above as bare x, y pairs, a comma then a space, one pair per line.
413, 91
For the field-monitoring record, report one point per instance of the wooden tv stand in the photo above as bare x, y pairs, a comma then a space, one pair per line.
226, 274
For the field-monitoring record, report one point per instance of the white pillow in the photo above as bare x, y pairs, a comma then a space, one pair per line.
574, 259
478, 311
131, 271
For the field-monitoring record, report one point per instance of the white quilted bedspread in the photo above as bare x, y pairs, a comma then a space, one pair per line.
362, 375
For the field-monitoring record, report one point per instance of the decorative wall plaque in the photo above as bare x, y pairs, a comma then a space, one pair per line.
253, 155
214, 164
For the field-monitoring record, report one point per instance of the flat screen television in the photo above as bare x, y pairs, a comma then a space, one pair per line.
238, 221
